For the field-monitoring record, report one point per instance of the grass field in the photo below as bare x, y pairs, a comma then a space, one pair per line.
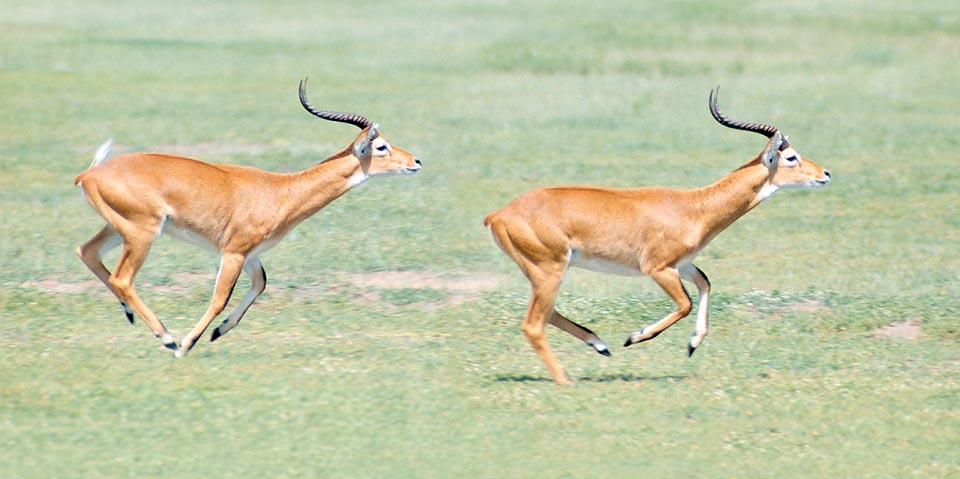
387, 343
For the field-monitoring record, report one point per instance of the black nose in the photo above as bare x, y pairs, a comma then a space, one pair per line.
417, 161
826, 173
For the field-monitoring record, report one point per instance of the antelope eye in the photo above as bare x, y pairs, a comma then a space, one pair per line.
382, 148
793, 159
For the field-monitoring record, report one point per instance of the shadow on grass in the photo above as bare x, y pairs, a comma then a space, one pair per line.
605, 378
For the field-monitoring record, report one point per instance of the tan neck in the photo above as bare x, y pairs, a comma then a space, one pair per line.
310, 190
725, 201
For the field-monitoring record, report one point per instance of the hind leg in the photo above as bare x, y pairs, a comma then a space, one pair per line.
579, 332
538, 258
136, 245
534, 323
91, 253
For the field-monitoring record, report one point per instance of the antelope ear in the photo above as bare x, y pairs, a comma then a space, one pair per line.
771, 155
361, 148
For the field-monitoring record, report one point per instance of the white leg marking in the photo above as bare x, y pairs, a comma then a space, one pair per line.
599, 346
700, 330
690, 272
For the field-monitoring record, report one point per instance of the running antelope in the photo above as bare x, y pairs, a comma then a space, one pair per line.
238, 211
653, 231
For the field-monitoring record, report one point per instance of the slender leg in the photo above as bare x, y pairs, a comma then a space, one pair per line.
579, 332
230, 267
669, 280
138, 229
258, 279
135, 249
91, 253
536, 256
692, 273
534, 326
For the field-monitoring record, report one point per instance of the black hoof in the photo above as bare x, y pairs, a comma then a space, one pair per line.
127, 312
599, 346
214, 335
690, 350
630, 341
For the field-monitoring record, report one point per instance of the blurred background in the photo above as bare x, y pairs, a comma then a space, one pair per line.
388, 342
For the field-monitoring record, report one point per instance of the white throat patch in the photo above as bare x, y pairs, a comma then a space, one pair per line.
767, 191
356, 179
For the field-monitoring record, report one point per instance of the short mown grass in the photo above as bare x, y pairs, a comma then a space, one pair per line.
330, 377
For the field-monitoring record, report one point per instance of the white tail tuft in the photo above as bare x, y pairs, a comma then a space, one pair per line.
101, 153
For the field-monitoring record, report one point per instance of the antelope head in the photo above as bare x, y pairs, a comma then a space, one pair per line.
788, 169
376, 155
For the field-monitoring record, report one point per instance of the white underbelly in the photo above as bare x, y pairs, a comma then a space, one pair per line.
183, 234
601, 265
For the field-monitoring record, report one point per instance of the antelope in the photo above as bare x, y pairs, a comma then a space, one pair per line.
652, 231
239, 212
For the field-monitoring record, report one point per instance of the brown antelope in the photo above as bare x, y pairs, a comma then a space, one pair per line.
654, 231
238, 211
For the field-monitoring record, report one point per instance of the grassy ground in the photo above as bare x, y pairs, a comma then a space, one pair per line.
347, 368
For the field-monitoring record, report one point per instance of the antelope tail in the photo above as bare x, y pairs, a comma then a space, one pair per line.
102, 153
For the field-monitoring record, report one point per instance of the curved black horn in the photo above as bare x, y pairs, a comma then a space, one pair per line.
765, 130
341, 116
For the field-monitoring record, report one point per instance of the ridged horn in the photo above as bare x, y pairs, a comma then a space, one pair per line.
763, 129
354, 119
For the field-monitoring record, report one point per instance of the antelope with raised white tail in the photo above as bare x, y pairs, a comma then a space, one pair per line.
237, 211
651, 231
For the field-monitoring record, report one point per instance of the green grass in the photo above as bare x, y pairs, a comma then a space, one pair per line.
327, 377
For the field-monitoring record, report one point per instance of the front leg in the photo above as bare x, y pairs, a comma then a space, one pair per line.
669, 280
258, 280
692, 273
230, 267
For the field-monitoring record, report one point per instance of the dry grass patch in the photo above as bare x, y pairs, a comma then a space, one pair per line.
909, 329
